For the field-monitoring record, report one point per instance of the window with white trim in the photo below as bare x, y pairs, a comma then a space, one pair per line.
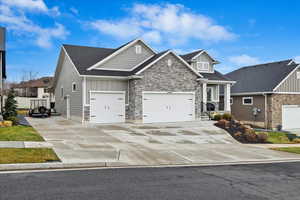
298, 74
231, 100
61, 92
74, 87
169, 62
248, 101
202, 66
138, 49
212, 93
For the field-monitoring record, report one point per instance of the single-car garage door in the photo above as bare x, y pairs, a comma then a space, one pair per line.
290, 116
107, 107
168, 107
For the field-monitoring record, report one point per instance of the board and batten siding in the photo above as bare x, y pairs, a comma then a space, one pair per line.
67, 76
203, 58
291, 84
97, 84
128, 58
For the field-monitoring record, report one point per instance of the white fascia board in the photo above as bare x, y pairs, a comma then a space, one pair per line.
183, 61
119, 51
203, 51
286, 78
113, 77
250, 93
292, 61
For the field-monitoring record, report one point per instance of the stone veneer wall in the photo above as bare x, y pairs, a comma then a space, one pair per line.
277, 100
161, 77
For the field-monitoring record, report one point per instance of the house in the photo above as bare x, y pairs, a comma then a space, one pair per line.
134, 83
267, 94
33, 89
2, 63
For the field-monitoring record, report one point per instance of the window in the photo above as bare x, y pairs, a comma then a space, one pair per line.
298, 75
74, 87
61, 92
202, 66
247, 100
212, 94
169, 62
231, 101
138, 49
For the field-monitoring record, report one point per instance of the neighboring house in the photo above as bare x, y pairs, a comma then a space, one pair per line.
33, 89
272, 89
2, 63
135, 83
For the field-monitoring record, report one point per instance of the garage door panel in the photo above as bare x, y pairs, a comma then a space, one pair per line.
290, 116
107, 107
168, 107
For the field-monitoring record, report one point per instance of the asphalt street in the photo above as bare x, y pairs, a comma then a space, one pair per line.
261, 181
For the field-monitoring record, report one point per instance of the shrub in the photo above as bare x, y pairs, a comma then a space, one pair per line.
251, 137
10, 106
14, 120
238, 135
217, 117
262, 137
221, 123
227, 116
296, 140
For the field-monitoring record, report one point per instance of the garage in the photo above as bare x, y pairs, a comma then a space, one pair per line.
168, 107
107, 107
290, 116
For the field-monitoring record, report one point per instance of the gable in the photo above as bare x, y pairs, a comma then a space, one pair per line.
291, 83
204, 57
127, 59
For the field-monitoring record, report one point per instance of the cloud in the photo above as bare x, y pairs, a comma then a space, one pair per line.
172, 23
297, 59
31, 5
74, 10
243, 60
13, 16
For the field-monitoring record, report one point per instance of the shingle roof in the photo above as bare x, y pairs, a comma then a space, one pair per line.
43, 82
152, 59
216, 76
189, 56
260, 78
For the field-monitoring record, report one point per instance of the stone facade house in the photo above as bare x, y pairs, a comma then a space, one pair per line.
267, 95
134, 83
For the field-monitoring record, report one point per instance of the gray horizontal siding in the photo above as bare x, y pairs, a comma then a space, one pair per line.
292, 84
127, 58
66, 77
96, 84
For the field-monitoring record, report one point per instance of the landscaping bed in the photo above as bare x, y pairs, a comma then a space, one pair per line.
246, 134
19, 133
28, 155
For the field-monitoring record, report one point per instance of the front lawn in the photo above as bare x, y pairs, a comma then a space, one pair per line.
288, 149
282, 138
28, 155
19, 133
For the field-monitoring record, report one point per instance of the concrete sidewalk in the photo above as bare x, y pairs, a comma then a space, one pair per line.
21, 144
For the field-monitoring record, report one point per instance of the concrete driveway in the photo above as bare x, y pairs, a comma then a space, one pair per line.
152, 144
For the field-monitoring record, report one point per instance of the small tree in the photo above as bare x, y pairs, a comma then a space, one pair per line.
10, 106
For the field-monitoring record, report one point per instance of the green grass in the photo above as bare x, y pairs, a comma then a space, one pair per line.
19, 133
288, 149
28, 155
278, 138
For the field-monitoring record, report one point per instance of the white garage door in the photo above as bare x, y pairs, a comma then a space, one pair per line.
290, 116
168, 107
107, 107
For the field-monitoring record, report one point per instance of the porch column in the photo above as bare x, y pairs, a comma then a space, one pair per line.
204, 96
227, 106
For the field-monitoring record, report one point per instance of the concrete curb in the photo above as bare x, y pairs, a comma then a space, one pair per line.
112, 165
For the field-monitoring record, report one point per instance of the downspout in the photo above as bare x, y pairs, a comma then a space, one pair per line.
266, 109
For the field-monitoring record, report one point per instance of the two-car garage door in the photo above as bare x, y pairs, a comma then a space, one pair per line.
168, 107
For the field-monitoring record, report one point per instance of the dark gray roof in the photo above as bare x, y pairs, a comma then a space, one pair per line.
216, 76
189, 56
152, 59
260, 78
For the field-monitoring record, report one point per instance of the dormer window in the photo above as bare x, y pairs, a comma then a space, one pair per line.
202, 66
138, 49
